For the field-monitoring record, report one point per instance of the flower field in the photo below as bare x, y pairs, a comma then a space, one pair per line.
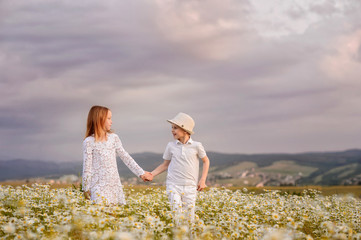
39, 212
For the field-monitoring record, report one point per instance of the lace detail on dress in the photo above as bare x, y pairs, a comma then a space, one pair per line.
100, 171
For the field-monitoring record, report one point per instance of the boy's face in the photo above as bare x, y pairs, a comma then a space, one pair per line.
178, 132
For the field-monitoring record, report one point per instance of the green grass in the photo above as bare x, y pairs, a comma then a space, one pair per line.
325, 190
288, 167
318, 179
239, 167
339, 172
247, 181
38, 212
343, 171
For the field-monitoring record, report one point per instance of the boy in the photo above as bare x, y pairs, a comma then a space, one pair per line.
181, 158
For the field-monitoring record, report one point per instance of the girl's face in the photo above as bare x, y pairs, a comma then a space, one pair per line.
108, 121
178, 132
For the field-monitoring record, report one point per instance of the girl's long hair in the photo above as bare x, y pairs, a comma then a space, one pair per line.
96, 121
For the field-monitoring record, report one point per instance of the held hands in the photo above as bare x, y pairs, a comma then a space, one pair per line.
147, 176
201, 185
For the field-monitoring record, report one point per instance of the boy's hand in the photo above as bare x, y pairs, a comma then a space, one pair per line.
87, 195
147, 176
201, 185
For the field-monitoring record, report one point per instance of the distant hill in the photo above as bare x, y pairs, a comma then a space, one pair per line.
23, 169
321, 168
328, 168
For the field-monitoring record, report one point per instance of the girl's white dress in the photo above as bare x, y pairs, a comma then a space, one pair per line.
100, 171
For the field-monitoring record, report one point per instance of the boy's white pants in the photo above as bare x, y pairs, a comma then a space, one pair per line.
183, 200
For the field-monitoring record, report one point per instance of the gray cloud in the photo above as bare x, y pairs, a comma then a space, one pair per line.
254, 77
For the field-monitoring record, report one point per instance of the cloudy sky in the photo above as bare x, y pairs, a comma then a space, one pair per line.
258, 76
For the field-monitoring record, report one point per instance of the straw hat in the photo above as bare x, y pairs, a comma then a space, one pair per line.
183, 121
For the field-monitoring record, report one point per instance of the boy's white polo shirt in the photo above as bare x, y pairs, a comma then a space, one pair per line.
184, 162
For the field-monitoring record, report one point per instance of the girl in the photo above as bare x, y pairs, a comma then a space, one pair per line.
101, 180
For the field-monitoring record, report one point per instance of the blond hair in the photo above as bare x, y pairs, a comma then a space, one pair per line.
96, 120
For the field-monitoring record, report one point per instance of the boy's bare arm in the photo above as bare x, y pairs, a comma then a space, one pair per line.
202, 181
161, 168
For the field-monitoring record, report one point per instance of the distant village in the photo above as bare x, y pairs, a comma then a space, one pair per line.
247, 177
252, 178
260, 179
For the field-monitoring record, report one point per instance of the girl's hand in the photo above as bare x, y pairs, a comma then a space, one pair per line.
147, 177
201, 185
87, 195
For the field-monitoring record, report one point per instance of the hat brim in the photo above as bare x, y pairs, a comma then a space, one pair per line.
188, 131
